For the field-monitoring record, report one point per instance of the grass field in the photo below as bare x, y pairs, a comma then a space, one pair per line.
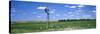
20, 27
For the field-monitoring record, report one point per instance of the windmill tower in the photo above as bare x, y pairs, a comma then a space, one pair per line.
48, 16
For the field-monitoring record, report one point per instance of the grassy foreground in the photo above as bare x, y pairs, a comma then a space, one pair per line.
19, 27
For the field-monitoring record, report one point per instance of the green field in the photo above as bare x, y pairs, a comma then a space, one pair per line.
21, 27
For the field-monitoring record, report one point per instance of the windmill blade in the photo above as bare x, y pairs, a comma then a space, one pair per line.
46, 10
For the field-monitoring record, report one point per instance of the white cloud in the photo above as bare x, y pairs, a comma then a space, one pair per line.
81, 6
79, 12
38, 16
65, 15
34, 13
57, 15
41, 7
73, 6
52, 11
86, 16
70, 12
94, 11
71, 15
70, 6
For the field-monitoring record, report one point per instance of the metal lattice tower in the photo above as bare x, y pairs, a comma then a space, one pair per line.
48, 17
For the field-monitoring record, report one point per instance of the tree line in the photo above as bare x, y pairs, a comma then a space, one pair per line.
75, 20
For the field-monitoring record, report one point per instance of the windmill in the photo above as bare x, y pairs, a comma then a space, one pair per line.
48, 17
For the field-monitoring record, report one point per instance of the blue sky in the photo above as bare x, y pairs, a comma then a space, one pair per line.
30, 11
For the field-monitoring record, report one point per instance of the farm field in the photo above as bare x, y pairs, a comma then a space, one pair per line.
30, 17
23, 27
